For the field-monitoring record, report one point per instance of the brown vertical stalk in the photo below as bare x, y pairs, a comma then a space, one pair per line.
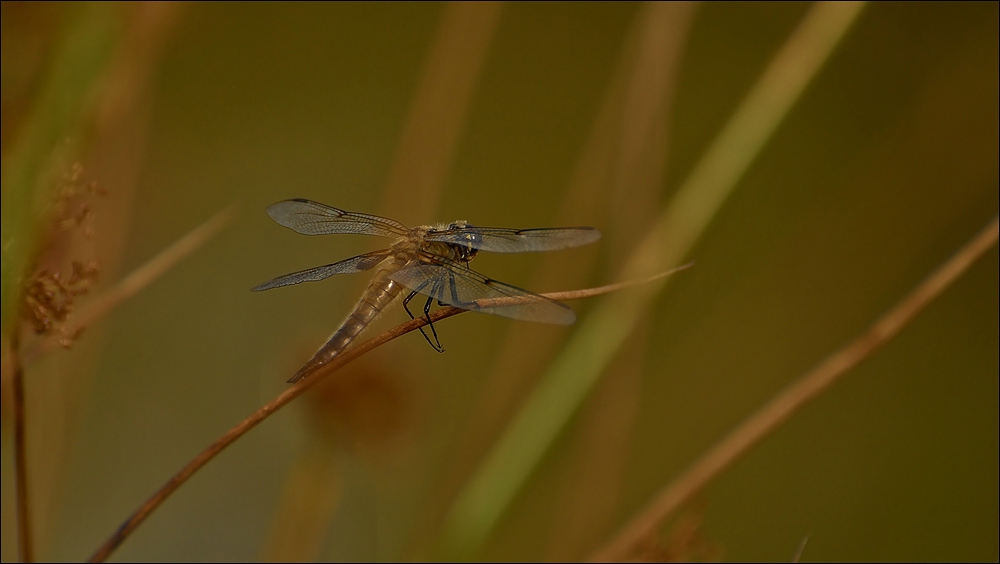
307, 505
20, 462
639, 86
590, 496
110, 156
435, 121
417, 176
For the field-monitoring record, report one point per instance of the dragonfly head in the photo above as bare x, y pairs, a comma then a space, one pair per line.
467, 244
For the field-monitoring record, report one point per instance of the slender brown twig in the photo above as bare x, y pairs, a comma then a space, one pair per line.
302, 386
20, 452
781, 407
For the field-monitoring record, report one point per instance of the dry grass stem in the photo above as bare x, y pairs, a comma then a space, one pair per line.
800, 549
438, 115
20, 454
794, 397
300, 388
137, 280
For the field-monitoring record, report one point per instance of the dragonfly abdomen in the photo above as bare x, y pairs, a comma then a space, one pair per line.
377, 296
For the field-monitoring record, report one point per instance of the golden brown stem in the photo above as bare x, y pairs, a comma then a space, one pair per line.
297, 390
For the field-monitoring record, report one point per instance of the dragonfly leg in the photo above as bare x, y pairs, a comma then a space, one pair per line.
454, 296
406, 302
427, 315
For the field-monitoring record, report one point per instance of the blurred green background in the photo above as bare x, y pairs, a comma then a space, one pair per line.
520, 115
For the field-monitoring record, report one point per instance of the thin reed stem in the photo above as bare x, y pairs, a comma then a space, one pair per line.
771, 416
20, 452
137, 280
310, 380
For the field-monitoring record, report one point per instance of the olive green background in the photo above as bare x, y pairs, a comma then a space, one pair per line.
887, 164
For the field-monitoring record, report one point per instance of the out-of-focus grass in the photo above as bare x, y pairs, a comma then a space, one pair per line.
413, 191
884, 165
36, 168
50, 137
600, 336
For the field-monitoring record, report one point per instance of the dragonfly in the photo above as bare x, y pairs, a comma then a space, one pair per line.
430, 260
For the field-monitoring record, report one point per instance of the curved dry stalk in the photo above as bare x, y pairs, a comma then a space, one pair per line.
138, 279
785, 404
302, 386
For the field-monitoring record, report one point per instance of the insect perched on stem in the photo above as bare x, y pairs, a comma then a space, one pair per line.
428, 260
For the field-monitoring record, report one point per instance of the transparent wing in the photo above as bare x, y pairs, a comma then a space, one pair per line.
455, 284
359, 263
503, 240
313, 218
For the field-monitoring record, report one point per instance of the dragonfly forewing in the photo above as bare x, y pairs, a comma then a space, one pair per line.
313, 218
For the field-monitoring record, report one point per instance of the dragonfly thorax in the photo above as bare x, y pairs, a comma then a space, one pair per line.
465, 245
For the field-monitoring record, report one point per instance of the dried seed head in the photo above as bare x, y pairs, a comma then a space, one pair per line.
49, 296
49, 299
